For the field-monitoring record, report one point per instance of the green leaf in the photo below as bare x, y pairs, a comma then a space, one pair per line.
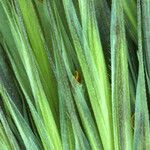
91, 60
26, 133
146, 37
10, 138
120, 80
142, 127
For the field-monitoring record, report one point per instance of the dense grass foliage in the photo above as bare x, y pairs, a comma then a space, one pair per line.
74, 74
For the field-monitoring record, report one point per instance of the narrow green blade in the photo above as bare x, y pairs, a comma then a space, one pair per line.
142, 127
120, 80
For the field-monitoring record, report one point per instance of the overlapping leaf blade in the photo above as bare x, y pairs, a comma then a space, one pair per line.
120, 80
59, 88
142, 128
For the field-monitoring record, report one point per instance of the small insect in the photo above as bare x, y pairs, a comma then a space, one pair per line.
132, 121
77, 77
